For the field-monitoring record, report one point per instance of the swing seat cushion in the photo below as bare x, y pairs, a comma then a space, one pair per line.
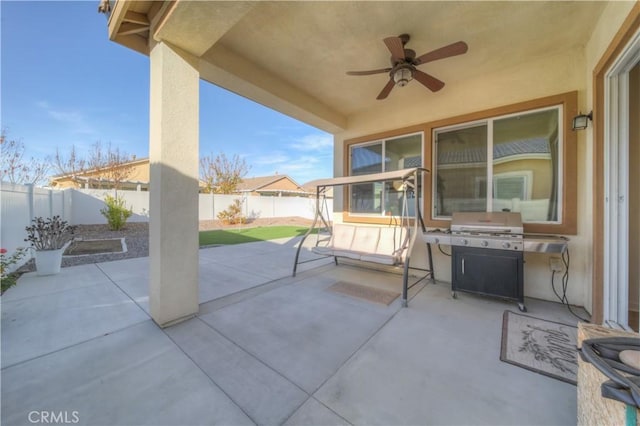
367, 243
341, 239
391, 248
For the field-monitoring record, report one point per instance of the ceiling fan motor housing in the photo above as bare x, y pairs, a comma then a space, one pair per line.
409, 57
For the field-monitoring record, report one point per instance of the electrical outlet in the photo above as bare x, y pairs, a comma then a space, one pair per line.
555, 263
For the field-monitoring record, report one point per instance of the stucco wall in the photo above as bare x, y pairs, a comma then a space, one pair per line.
550, 76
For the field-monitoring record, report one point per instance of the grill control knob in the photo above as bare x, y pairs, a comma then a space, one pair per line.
484, 243
437, 240
506, 245
465, 241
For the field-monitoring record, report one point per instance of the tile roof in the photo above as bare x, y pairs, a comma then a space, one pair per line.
503, 150
255, 184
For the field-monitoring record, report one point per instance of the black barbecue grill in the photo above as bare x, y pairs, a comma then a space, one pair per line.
487, 251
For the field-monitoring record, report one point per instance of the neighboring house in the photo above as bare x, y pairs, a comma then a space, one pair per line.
275, 185
312, 189
137, 179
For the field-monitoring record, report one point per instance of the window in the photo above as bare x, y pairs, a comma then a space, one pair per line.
504, 163
382, 198
519, 157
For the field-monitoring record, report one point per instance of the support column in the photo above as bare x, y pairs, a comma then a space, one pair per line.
173, 189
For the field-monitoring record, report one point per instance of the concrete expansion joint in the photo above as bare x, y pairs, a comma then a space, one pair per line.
221, 388
254, 356
122, 290
46, 354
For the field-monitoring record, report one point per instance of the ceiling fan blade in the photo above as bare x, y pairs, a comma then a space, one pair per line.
428, 81
454, 49
395, 46
386, 90
380, 71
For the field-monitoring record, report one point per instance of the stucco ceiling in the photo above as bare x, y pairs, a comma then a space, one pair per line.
307, 47
312, 45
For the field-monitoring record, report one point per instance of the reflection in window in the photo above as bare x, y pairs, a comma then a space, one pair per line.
503, 164
461, 170
382, 198
366, 159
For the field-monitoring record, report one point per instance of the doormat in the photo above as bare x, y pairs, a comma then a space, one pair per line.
545, 347
375, 295
87, 247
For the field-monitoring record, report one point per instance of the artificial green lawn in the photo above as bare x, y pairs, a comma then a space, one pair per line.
249, 235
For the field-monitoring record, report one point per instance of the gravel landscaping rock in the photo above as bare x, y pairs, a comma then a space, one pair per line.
136, 237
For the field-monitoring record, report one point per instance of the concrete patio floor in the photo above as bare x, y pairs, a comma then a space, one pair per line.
265, 349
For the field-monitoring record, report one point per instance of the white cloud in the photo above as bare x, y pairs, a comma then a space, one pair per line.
272, 158
305, 168
313, 142
76, 120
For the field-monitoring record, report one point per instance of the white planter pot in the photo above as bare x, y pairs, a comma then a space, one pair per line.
48, 262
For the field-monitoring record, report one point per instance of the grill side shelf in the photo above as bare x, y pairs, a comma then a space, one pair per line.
530, 243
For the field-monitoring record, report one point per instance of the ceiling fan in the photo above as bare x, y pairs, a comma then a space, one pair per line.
404, 62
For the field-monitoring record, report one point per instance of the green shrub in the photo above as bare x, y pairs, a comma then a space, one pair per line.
233, 214
7, 278
116, 212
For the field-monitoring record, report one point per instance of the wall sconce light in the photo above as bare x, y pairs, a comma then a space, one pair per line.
581, 121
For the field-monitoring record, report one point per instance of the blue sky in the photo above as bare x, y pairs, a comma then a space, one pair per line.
64, 83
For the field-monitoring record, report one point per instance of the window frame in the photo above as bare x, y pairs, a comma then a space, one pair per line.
381, 138
489, 178
526, 175
568, 223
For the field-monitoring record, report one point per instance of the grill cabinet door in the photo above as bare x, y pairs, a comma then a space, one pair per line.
488, 272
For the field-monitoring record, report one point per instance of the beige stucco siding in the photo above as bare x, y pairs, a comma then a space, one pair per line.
139, 173
568, 71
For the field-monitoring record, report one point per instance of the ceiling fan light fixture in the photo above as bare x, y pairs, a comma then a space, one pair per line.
402, 76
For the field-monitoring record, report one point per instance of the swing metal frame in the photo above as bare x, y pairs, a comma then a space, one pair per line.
410, 179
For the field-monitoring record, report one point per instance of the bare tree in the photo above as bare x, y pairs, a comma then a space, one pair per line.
97, 158
110, 164
72, 164
15, 168
222, 174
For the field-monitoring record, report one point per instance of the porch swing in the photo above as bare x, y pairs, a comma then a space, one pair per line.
389, 245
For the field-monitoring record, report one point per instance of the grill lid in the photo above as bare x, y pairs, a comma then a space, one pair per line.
487, 222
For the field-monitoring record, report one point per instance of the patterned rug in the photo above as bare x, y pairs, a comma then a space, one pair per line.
364, 292
538, 345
